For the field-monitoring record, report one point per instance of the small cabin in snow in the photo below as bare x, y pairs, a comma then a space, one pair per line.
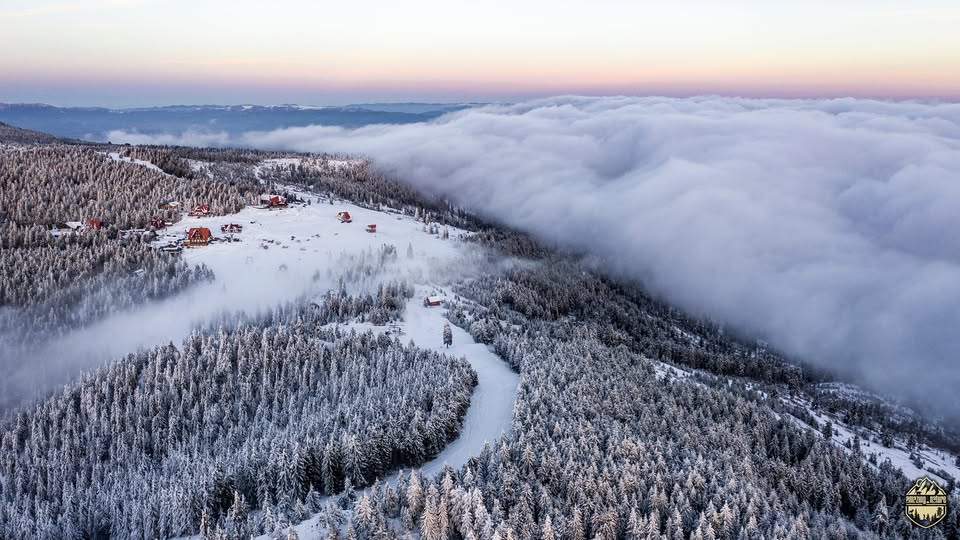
169, 205
158, 223
231, 228
372, 228
200, 211
344, 217
273, 201
94, 224
431, 301
197, 236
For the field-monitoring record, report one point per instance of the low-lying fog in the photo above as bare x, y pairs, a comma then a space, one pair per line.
827, 227
248, 279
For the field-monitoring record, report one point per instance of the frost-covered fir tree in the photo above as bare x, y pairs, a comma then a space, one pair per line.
447, 335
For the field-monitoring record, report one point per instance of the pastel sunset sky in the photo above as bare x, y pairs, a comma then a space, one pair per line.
145, 52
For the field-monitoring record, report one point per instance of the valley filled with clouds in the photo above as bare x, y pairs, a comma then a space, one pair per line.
827, 227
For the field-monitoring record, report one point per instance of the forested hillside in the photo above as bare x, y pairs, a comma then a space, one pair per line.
53, 282
632, 419
49, 184
259, 414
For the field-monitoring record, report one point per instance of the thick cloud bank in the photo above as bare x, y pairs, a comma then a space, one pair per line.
829, 228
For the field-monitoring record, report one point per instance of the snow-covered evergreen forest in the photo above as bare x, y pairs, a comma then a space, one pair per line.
52, 282
271, 411
44, 185
631, 420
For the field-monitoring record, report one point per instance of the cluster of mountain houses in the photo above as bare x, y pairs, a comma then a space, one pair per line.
202, 236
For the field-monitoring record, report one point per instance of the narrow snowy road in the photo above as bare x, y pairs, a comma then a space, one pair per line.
491, 406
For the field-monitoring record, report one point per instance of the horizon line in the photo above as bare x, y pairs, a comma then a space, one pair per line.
824, 97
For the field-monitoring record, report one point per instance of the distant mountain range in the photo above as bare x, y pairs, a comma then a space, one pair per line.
96, 123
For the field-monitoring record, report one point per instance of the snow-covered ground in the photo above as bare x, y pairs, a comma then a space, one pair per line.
115, 156
310, 239
314, 249
307, 251
491, 405
664, 369
934, 459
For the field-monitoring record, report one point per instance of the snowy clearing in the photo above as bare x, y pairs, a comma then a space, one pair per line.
281, 255
115, 156
304, 249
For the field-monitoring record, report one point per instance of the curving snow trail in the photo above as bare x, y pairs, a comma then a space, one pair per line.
491, 405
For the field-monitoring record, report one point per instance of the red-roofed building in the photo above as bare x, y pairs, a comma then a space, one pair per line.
197, 236
273, 201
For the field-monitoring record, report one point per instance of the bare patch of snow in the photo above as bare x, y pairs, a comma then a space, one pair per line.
115, 156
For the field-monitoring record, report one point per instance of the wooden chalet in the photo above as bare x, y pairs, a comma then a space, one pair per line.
273, 201
197, 236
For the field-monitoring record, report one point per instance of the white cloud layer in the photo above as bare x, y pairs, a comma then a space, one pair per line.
830, 228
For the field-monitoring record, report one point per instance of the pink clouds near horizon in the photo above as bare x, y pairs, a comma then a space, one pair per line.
82, 52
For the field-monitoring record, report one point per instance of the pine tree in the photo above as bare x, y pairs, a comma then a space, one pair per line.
881, 516
546, 531
447, 335
414, 495
429, 525
363, 510
575, 526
